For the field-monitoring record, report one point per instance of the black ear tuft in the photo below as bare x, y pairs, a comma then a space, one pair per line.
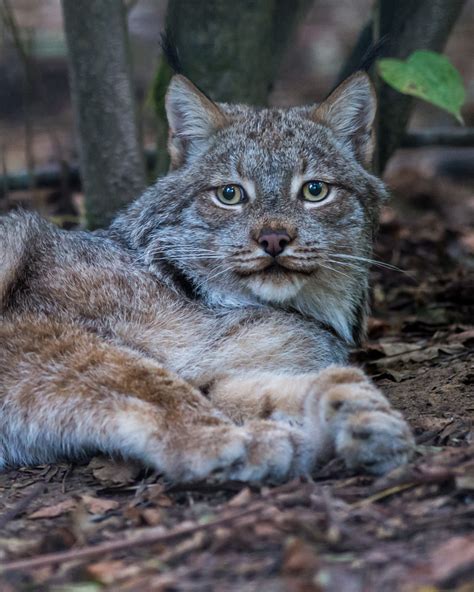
373, 52
170, 52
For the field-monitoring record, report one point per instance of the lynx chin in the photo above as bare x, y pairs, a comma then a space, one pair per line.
206, 332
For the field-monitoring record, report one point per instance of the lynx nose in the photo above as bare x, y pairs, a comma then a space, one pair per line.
274, 242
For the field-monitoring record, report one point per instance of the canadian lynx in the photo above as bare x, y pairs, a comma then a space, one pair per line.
206, 331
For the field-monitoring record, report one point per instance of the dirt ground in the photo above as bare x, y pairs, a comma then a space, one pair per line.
100, 526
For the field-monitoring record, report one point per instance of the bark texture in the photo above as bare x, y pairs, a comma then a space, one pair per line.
111, 160
409, 25
232, 49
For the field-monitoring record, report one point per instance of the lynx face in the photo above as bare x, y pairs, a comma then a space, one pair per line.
268, 206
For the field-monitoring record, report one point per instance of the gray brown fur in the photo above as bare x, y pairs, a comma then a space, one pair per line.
168, 338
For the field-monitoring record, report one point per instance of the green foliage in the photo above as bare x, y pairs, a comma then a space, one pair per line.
427, 75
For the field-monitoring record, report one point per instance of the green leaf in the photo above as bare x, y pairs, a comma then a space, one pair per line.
427, 75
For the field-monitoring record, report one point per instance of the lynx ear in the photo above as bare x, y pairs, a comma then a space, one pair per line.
350, 112
192, 119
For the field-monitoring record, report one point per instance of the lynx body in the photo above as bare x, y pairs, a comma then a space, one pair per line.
207, 331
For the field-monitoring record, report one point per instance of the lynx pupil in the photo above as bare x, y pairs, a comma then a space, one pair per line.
315, 188
228, 192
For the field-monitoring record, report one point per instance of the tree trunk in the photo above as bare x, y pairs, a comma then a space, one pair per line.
232, 49
111, 160
409, 25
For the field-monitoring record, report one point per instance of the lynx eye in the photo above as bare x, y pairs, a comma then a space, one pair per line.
230, 195
315, 191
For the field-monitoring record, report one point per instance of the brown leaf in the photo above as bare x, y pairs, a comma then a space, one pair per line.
53, 511
241, 499
114, 473
19, 546
151, 516
97, 505
108, 572
266, 530
299, 557
394, 375
155, 493
465, 337
391, 348
377, 327
451, 558
410, 352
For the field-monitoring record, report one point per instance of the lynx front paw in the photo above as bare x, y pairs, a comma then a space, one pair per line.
368, 434
259, 451
274, 453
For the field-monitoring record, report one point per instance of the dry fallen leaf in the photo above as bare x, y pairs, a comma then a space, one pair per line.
53, 511
452, 557
19, 546
152, 516
465, 337
97, 505
114, 473
108, 572
410, 352
299, 557
241, 499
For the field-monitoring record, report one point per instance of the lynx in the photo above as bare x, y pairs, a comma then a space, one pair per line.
206, 332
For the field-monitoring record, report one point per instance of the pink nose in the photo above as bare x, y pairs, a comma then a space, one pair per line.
274, 242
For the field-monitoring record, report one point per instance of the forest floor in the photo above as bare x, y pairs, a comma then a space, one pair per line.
104, 526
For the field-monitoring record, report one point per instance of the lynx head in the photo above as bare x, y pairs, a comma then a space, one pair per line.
266, 206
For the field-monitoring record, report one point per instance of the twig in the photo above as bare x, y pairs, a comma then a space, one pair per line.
152, 535
22, 504
384, 494
53, 176
334, 529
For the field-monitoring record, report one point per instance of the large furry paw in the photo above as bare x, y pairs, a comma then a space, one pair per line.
274, 453
367, 433
261, 450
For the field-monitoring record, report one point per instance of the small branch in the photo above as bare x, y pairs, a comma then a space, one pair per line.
150, 536
53, 176
460, 137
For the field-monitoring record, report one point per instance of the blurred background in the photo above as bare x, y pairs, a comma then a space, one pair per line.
37, 130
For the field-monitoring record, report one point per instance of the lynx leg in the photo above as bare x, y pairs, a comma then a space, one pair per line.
339, 410
65, 393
